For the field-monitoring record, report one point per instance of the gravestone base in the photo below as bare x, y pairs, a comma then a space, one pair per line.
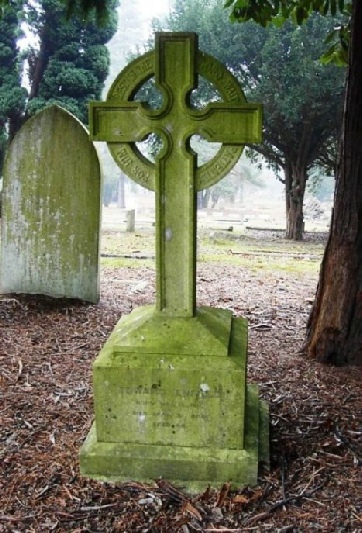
171, 401
190, 468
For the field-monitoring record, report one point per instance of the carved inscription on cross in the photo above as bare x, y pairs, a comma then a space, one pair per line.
123, 122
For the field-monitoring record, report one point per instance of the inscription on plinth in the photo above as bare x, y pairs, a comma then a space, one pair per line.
171, 401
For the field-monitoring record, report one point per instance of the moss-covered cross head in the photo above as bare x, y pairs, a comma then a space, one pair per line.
175, 177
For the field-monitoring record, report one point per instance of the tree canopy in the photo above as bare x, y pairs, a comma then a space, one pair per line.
334, 330
273, 11
278, 66
66, 62
265, 11
101, 9
12, 95
72, 62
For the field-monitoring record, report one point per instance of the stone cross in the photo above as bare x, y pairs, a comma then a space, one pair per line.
123, 122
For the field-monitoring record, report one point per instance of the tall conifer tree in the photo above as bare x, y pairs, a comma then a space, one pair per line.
12, 96
68, 62
71, 63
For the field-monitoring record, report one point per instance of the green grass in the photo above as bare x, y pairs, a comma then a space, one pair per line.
253, 254
115, 262
270, 264
126, 243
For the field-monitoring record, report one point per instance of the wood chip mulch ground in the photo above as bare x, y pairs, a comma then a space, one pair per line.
46, 351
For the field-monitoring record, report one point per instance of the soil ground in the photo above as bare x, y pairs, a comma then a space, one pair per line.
46, 351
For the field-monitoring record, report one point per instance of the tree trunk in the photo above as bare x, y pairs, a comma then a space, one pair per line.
120, 192
334, 329
295, 181
38, 64
203, 198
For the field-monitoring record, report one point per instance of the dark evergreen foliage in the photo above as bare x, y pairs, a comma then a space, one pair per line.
280, 67
72, 64
12, 96
67, 66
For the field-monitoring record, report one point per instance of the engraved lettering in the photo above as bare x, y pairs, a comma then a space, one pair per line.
164, 424
221, 164
130, 164
184, 393
125, 84
213, 70
231, 92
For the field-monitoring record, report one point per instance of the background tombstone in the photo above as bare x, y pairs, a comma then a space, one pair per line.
51, 210
130, 220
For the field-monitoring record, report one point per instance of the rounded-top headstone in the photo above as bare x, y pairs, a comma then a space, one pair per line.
51, 209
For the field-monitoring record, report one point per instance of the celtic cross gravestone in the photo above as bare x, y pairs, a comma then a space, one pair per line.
170, 388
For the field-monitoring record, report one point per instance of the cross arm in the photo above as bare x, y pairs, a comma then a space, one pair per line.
123, 122
230, 123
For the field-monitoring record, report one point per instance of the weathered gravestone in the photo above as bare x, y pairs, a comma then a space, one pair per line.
51, 210
130, 220
170, 391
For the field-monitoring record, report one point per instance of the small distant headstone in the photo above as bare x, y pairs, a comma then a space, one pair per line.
51, 210
130, 220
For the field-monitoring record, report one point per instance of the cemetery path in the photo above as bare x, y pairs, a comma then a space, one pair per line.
46, 350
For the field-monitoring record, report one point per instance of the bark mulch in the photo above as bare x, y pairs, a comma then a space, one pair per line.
46, 351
